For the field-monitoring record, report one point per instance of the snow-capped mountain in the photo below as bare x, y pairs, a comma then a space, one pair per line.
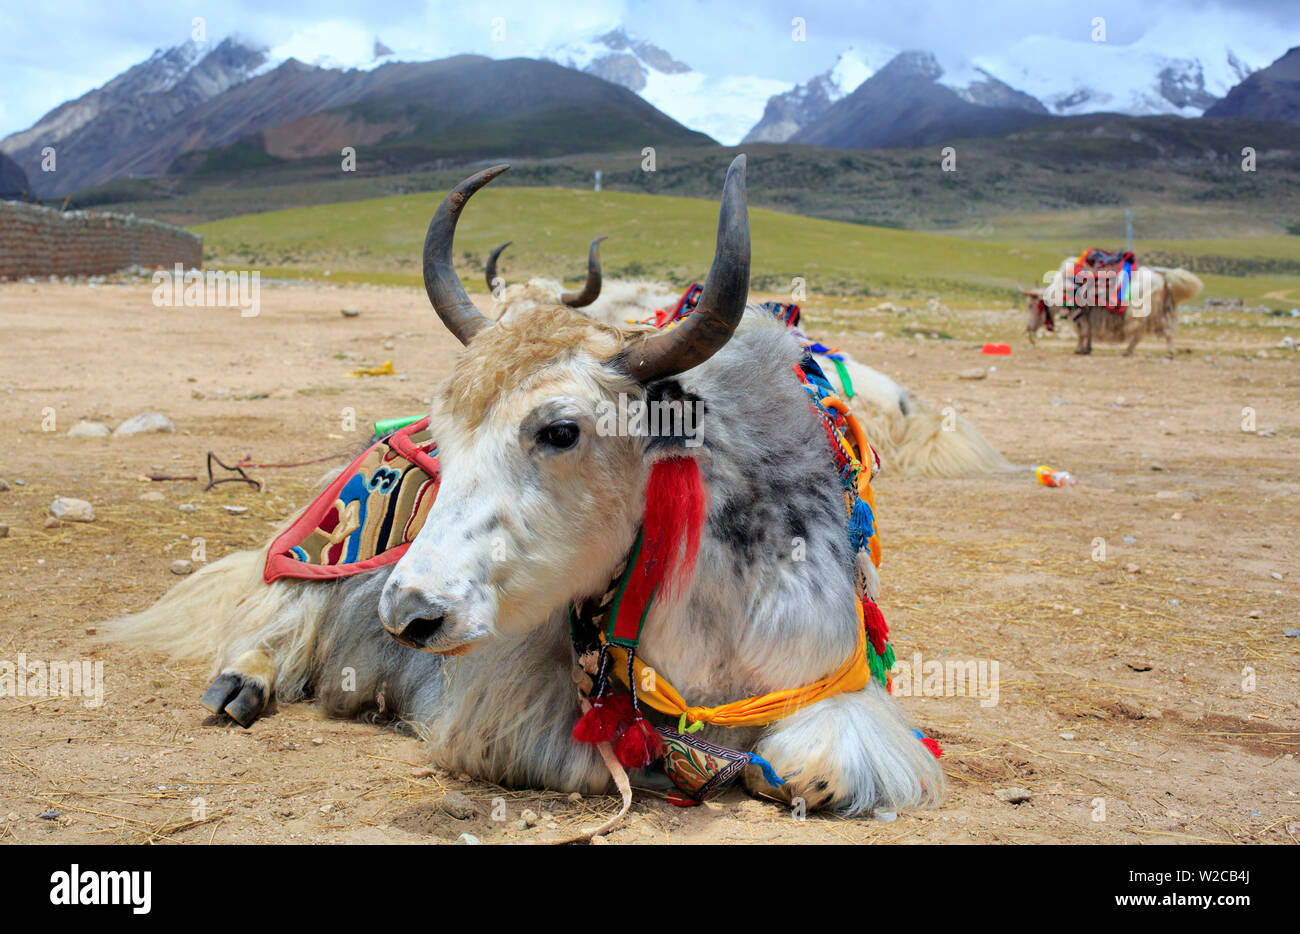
164, 84
139, 103
1272, 93
786, 114
1179, 66
1141, 79
723, 106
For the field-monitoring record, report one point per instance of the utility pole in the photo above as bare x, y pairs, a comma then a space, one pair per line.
1128, 229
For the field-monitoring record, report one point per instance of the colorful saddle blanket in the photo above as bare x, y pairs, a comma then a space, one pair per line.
1112, 277
368, 516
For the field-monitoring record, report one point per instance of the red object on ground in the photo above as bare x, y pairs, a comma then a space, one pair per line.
1000, 350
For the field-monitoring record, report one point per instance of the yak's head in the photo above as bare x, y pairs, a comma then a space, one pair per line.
1040, 313
543, 485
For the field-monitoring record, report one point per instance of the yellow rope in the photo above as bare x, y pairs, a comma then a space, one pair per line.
853, 675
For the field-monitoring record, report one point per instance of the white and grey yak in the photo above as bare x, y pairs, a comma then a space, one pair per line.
465, 638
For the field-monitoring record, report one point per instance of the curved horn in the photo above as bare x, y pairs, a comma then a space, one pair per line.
440, 280
490, 270
722, 302
591, 291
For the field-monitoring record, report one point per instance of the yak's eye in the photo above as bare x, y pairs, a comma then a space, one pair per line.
559, 435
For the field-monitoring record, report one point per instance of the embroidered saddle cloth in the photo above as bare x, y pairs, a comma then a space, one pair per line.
1113, 273
368, 516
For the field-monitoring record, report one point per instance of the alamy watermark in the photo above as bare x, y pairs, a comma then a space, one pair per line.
658, 418
33, 678
1090, 288
916, 677
209, 288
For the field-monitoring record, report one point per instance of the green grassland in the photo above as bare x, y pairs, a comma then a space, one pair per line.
378, 240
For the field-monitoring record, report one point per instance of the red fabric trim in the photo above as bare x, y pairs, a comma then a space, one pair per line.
280, 564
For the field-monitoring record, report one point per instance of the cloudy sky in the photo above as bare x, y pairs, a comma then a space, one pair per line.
59, 49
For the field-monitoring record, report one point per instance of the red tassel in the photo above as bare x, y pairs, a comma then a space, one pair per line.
639, 745
877, 629
606, 717
935, 749
675, 504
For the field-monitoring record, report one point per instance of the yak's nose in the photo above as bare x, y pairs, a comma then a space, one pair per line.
411, 616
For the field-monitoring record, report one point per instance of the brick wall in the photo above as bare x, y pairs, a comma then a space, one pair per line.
38, 241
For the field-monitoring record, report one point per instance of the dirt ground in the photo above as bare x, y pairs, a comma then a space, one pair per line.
1150, 697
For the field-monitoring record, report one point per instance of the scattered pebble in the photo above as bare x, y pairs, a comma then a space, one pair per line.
4, 530
85, 429
153, 496
317, 741
182, 567
422, 773
458, 805
72, 510
188, 507
599, 840
1066, 735
529, 817
974, 373
575, 796
236, 510
1293, 633
51, 814
351, 312
467, 839
1185, 496
143, 423
1254, 614
52, 523
886, 817
1132, 569
1138, 665
4, 485
1276, 576
1013, 795
1130, 540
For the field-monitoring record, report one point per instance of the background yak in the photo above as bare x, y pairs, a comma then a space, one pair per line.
1153, 311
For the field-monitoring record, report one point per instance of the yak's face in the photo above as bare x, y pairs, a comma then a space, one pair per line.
538, 501
541, 493
1038, 316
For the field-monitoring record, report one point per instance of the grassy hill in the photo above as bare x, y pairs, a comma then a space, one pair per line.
379, 240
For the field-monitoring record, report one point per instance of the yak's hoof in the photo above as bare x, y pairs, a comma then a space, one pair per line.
1083, 353
241, 698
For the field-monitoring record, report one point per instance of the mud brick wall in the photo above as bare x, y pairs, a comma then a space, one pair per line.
39, 241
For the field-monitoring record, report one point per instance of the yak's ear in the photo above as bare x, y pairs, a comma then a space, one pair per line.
676, 419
